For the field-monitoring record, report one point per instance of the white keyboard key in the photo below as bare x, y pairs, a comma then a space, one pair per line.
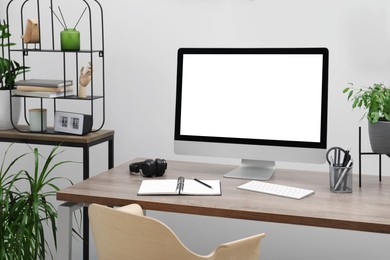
276, 189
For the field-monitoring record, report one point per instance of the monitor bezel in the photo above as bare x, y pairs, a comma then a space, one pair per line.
266, 142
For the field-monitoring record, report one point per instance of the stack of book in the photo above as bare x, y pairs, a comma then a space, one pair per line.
46, 88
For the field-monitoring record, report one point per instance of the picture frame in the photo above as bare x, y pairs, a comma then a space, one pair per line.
72, 123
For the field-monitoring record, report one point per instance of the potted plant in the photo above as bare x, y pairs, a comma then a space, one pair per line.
376, 100
9, 70
24, 213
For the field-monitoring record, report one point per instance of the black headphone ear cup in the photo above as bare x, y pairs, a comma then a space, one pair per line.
135, 167
161, 166
148, 168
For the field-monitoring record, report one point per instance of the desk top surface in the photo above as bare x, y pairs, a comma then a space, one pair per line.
365, 209
14, 135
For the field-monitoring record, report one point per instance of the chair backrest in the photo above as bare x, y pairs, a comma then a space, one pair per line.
125, 233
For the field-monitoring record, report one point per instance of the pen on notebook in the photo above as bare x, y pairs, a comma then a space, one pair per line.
201, 182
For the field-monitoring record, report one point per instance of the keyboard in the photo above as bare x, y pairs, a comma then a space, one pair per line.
276, 189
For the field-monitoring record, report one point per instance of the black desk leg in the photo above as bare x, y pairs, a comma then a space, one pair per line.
86, 176
85, 209
111, 153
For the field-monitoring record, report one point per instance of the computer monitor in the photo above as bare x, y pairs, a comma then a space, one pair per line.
260, 105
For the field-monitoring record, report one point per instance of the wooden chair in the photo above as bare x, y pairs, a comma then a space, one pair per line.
125, 233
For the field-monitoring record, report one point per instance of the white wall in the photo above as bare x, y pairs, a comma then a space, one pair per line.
142, 37
141, 61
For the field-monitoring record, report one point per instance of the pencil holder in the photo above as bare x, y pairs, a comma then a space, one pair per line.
340, 179
70, 40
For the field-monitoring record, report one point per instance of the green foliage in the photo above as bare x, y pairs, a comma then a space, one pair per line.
24, 213
376, 99
9, 69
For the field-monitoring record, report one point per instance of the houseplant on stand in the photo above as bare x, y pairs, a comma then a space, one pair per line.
376, 100
25, 211
9, 70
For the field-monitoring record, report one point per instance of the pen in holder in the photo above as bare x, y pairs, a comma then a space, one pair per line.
341, 178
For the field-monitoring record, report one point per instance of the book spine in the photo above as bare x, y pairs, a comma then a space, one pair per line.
41, 94
43, 83
43, 89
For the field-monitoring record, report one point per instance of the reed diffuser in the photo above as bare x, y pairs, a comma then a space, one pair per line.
70, 37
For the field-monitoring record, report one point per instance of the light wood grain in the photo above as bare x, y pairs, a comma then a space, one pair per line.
17, 136
125, 233
365, 209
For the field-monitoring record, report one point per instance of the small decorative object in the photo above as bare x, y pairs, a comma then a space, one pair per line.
70, 40
38, 119
85, 78
31, 34
376, 99
70, 37
72, 123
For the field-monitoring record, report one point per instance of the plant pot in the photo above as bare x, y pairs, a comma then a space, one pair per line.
379, 134
5, 115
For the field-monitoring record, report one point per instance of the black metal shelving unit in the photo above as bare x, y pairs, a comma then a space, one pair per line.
96, 55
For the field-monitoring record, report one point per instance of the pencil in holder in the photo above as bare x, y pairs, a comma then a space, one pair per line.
340, 179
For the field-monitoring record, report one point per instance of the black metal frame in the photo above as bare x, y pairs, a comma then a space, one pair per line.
53, 50
91, 51
367, 153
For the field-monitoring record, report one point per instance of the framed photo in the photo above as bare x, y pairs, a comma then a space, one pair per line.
72, 123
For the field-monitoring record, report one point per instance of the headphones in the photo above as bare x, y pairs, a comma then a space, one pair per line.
149, 168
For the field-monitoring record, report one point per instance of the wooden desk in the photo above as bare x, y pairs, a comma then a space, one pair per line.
365, 209
84, 142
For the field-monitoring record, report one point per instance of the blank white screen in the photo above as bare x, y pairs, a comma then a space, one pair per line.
257, 96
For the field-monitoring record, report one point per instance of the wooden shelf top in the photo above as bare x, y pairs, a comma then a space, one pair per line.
14, 135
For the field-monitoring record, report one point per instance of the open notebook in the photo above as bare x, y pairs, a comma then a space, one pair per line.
180, 186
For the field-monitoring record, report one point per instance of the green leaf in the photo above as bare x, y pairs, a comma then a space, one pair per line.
24, 213
355, 103
9, 69
350, 94
375, 99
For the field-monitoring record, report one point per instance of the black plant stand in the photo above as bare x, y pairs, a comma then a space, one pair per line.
367, 153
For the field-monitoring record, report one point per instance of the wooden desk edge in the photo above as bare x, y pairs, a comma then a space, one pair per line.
16, 136
206, 210
229, 213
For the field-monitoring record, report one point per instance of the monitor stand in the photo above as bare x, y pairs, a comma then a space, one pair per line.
253, 170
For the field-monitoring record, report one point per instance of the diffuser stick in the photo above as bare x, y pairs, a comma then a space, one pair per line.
66, 27
80, 18
56, 16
